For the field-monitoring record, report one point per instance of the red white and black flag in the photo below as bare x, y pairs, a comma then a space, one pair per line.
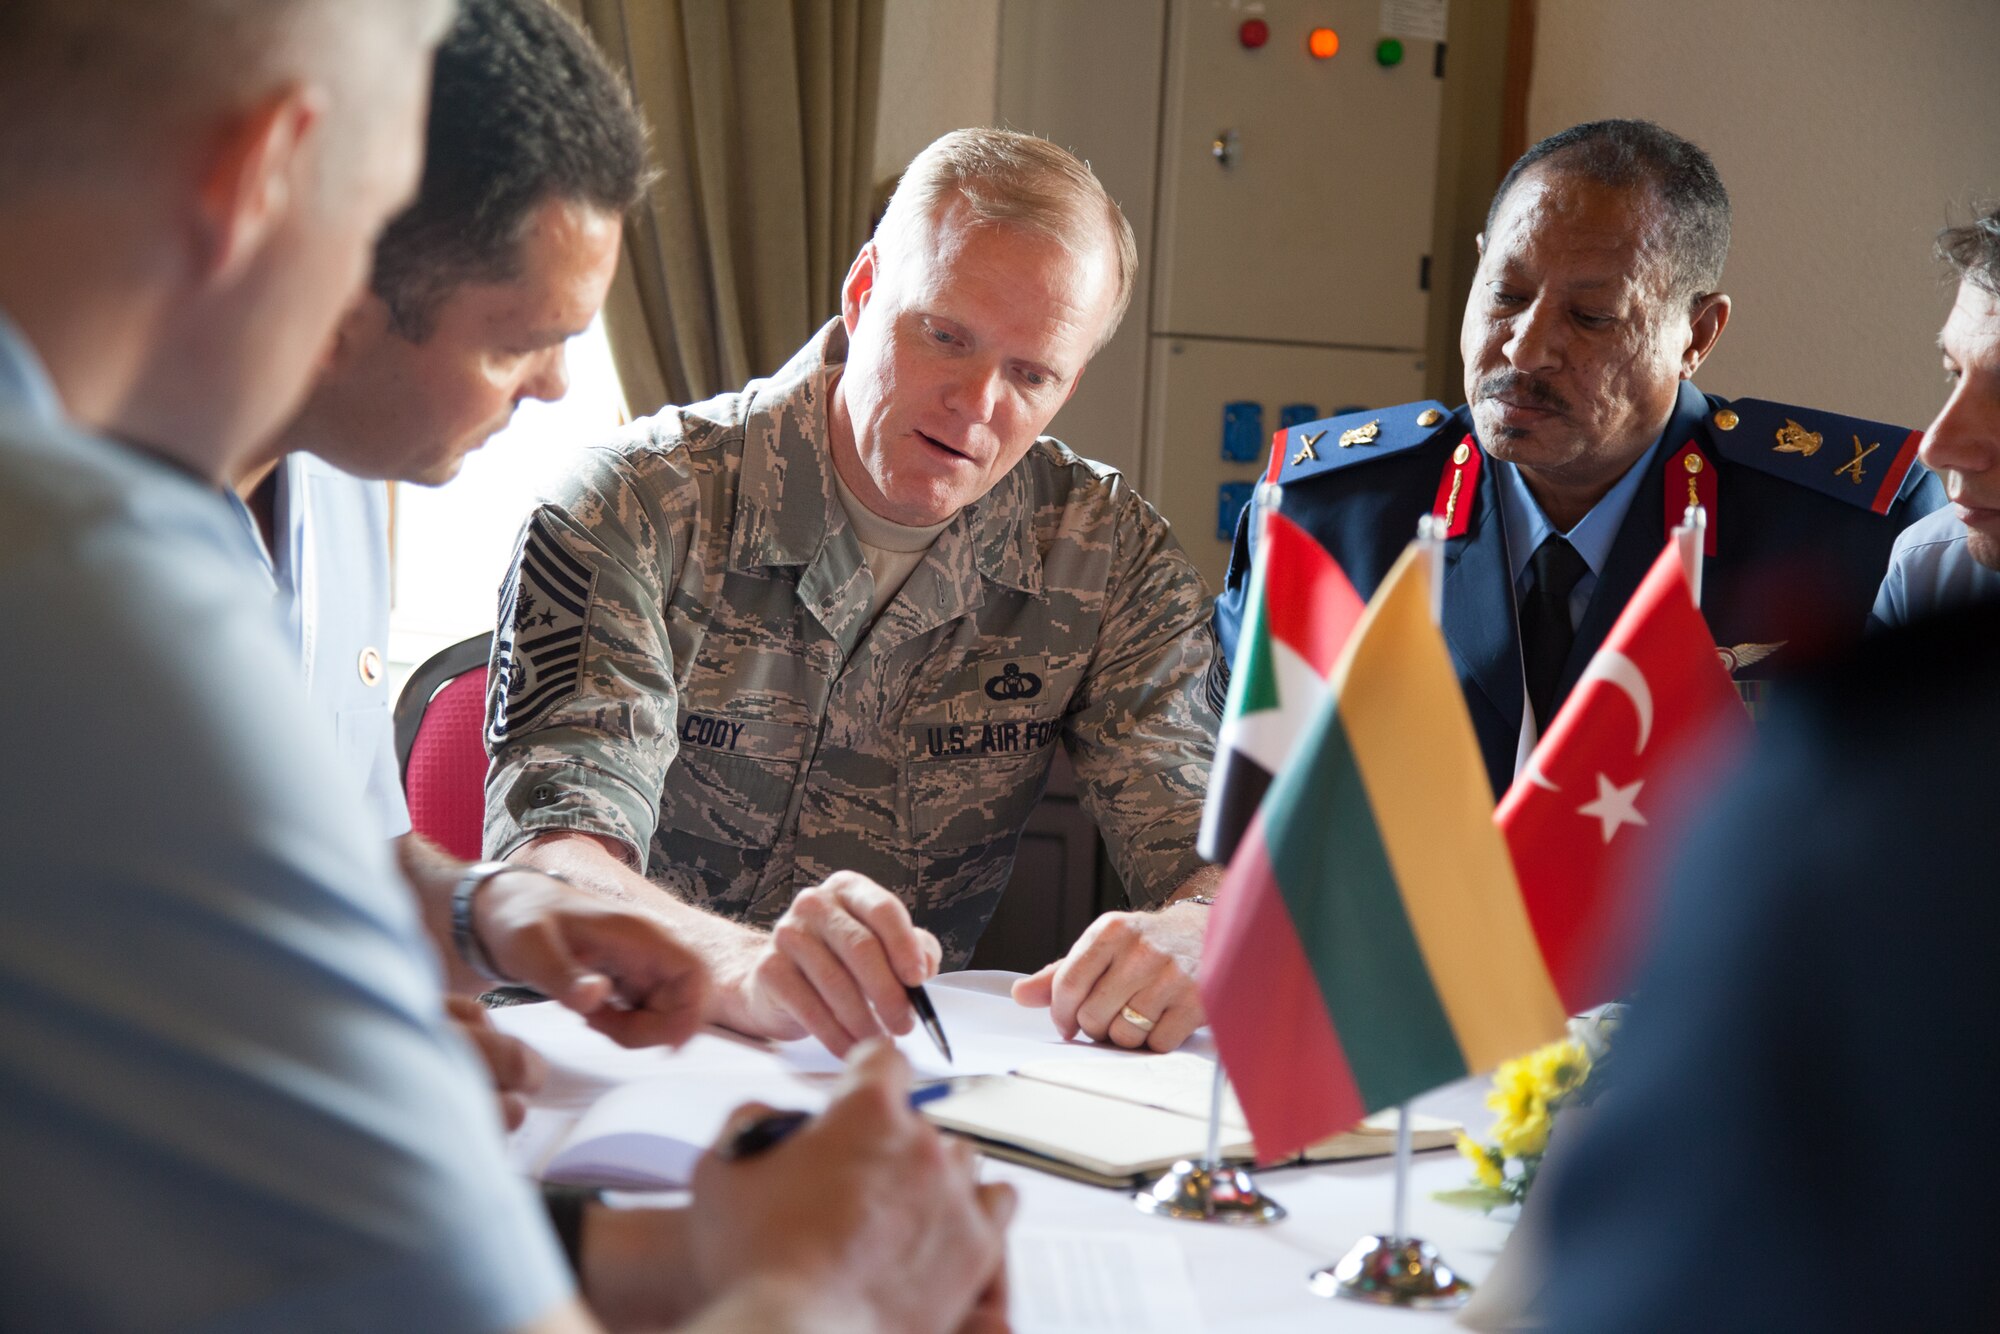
1299, 613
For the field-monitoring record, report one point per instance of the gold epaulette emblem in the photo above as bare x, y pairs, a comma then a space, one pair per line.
1796, 439
1852, 468
1361, 435
1307, 454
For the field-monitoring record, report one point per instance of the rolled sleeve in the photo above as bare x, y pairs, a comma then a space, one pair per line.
581, 732
549, 796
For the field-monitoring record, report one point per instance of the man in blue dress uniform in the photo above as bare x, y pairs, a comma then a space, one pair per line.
1584, 441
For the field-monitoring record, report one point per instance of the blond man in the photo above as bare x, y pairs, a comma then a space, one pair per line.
790, 665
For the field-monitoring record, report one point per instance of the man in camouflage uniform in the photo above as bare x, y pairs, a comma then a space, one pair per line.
797, 658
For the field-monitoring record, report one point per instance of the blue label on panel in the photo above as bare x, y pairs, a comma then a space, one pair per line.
1296, 414
1230, 498
1243, 432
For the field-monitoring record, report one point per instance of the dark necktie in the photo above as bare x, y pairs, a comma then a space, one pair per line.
1546, 633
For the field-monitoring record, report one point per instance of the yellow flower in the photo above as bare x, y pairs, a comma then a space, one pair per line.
1560, 1068
1525, 1137
1526, 1090
1485, 1162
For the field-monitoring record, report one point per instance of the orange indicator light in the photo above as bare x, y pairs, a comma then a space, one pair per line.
1323, 42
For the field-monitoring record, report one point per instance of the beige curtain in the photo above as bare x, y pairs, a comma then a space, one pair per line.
763, 118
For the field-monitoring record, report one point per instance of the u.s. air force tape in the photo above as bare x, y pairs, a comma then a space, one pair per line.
538, 647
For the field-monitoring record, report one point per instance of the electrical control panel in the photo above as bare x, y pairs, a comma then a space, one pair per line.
1284, 219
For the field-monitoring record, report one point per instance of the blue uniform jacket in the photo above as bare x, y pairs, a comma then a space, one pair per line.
1798, 550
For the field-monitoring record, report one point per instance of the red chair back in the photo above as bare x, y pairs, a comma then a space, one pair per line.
444, 773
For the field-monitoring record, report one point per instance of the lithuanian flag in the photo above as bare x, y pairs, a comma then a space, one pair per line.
1299, 612
1369, 942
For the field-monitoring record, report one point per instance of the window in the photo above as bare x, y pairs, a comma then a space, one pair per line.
452, 542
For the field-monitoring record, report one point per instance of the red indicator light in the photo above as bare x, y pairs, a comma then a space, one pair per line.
1323, 42
1254, 33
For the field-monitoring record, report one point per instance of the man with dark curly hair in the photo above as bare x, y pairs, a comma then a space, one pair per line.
533, 155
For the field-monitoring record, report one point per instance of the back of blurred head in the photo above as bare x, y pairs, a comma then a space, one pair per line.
188, 193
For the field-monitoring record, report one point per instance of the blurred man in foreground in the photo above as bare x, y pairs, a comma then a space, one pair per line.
789, 666
1793, 1138
231, 1095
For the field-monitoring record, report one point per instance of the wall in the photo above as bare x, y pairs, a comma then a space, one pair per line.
1847, 131
940, 66
1112, 120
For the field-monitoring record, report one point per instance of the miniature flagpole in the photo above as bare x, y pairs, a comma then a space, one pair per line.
1430, 541
1208, 1191
1692, 536
1400, 1269
1214, 1158
1403, 1171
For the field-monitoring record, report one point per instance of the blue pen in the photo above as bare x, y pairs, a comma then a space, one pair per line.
774, 1128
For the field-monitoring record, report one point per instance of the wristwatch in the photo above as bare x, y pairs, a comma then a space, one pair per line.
464, 936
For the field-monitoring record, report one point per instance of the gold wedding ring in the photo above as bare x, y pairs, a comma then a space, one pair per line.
1137, 1020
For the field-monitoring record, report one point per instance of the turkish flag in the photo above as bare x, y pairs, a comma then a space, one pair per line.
1653, 714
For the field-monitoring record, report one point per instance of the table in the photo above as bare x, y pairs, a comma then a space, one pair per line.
1254, 1279
1243, 1279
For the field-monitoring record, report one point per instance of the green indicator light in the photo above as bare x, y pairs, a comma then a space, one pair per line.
1388, 53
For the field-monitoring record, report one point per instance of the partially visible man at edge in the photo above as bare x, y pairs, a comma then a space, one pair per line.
1596, 301
231, 1097
533, 155
788, 666
1952, 557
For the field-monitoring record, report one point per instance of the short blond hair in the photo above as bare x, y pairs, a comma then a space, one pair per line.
92, 85
1010, 179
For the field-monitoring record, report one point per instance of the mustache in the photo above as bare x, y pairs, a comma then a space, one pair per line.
1522, 389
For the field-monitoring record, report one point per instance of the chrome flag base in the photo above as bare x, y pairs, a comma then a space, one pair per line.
1203, 1194
1393, 1271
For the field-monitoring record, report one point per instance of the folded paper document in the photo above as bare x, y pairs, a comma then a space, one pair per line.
1121, 1120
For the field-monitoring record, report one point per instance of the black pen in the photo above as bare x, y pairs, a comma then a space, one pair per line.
927, 1015
774, 1128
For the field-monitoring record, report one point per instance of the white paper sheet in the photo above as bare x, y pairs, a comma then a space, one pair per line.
1072, 1281
988, 1032
989, 1035
583, 1063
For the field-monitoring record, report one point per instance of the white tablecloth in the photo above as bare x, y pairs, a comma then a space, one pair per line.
1243, 1278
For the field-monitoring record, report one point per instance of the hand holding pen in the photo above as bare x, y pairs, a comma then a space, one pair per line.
809, 1206
837, 965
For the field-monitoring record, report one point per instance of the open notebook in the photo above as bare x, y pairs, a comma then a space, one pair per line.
1120, 1121
646, 1135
